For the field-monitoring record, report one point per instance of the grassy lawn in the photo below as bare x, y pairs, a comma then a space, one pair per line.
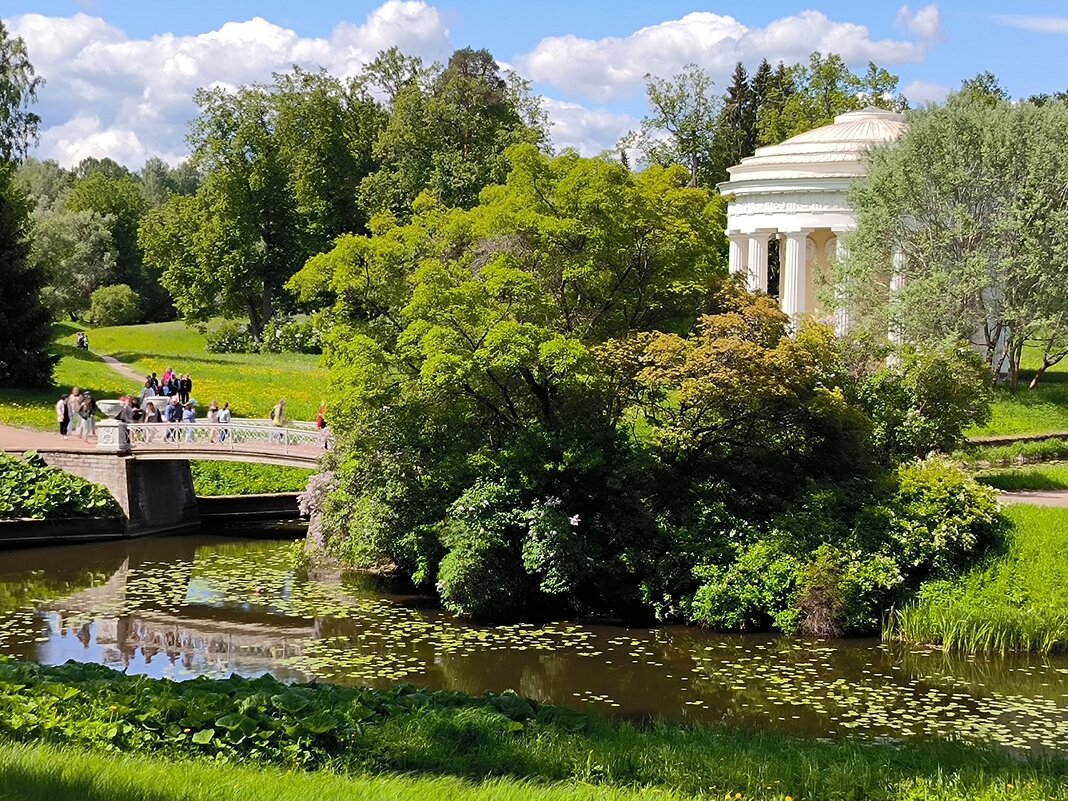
239, 478
1016, 601
1040, 477
1043, 410
252, 383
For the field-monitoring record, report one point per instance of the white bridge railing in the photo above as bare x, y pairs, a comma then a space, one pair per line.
243, 435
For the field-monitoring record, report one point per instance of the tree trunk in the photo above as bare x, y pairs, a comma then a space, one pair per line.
254, 325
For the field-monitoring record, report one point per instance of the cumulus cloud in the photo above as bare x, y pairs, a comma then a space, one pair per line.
129, 98
588, 131
926, 22
614, 67
1032, 23
920, 93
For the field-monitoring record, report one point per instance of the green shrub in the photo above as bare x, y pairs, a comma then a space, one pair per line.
925, 401
245, 478
114, 305
282, 335
755, 590
229, 337
31, 489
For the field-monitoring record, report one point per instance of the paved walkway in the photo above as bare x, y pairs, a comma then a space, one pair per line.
1038, 497
25, 439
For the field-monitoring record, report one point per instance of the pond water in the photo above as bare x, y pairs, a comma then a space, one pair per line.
186, 606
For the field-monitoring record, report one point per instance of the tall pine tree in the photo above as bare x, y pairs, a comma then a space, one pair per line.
25, 323
735, 121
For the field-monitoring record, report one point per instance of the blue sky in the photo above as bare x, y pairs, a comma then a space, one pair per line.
121, 74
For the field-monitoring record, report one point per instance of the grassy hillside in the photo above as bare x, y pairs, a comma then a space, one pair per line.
1043, 410
252, 383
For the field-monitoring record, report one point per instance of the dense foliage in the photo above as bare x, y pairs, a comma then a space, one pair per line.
972, 198
114, 305
281, 335
246, 478
555, 401
407, 731
31, 489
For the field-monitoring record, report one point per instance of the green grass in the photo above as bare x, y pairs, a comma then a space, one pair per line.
402, 740
982, 456
252, 383
1018, 601
1043, 410
1042, 477
43, 773
240, 478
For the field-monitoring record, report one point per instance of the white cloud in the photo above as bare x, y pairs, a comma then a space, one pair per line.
920, 93
926, 22
132, 98
589, 131
1031, 23
613, 67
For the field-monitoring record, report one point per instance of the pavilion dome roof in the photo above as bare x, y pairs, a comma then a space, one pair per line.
834, 151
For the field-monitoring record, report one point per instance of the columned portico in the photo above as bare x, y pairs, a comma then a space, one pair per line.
796, 191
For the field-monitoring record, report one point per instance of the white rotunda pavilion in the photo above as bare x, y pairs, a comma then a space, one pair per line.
795, 192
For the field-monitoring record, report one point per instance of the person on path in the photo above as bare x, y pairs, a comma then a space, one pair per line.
278, 418
183, 390
224, 421
320, 423
87, 413
74, 408
62, 415
213, 419
189, 416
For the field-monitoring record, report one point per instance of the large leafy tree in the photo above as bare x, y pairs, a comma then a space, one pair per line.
280, 166
25, 323
972, 196
447, 129
75, 250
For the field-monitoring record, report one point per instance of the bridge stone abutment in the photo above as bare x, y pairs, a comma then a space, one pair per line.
155, 496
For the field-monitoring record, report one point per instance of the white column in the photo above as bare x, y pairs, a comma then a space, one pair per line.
897, 283
842, 318
793, 289
738, 259
758, 263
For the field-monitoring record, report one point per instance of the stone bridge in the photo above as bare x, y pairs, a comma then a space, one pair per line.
145, 466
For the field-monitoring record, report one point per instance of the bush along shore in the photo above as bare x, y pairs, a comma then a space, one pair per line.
404, 730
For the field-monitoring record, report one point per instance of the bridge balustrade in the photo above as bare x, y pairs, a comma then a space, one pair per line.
244, 435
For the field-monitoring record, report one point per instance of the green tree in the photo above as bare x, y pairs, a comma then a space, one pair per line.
971, 197
736, 131
811, 95
25, 323
119, 202
447, 130
114, 305
681, 128
45, 183
159, 181
74, 249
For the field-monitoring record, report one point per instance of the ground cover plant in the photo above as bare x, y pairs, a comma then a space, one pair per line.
1018, 600
1043, 477
244, 478
31, 489
403, 730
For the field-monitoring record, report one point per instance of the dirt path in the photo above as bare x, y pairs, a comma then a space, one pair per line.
122, 369
19, 440
1057, 498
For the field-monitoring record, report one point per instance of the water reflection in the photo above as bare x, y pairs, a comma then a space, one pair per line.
181, 607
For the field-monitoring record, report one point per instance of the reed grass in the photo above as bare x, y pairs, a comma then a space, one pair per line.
1018, 601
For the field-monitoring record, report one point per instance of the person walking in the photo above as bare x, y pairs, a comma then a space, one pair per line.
224, 421
320, 423
147, 391
152, 415
213, 420
62, 415
74, 406
189, 417
278, 418
87, 413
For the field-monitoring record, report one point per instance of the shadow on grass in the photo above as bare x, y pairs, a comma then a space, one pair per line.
176, 361
1023, 480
